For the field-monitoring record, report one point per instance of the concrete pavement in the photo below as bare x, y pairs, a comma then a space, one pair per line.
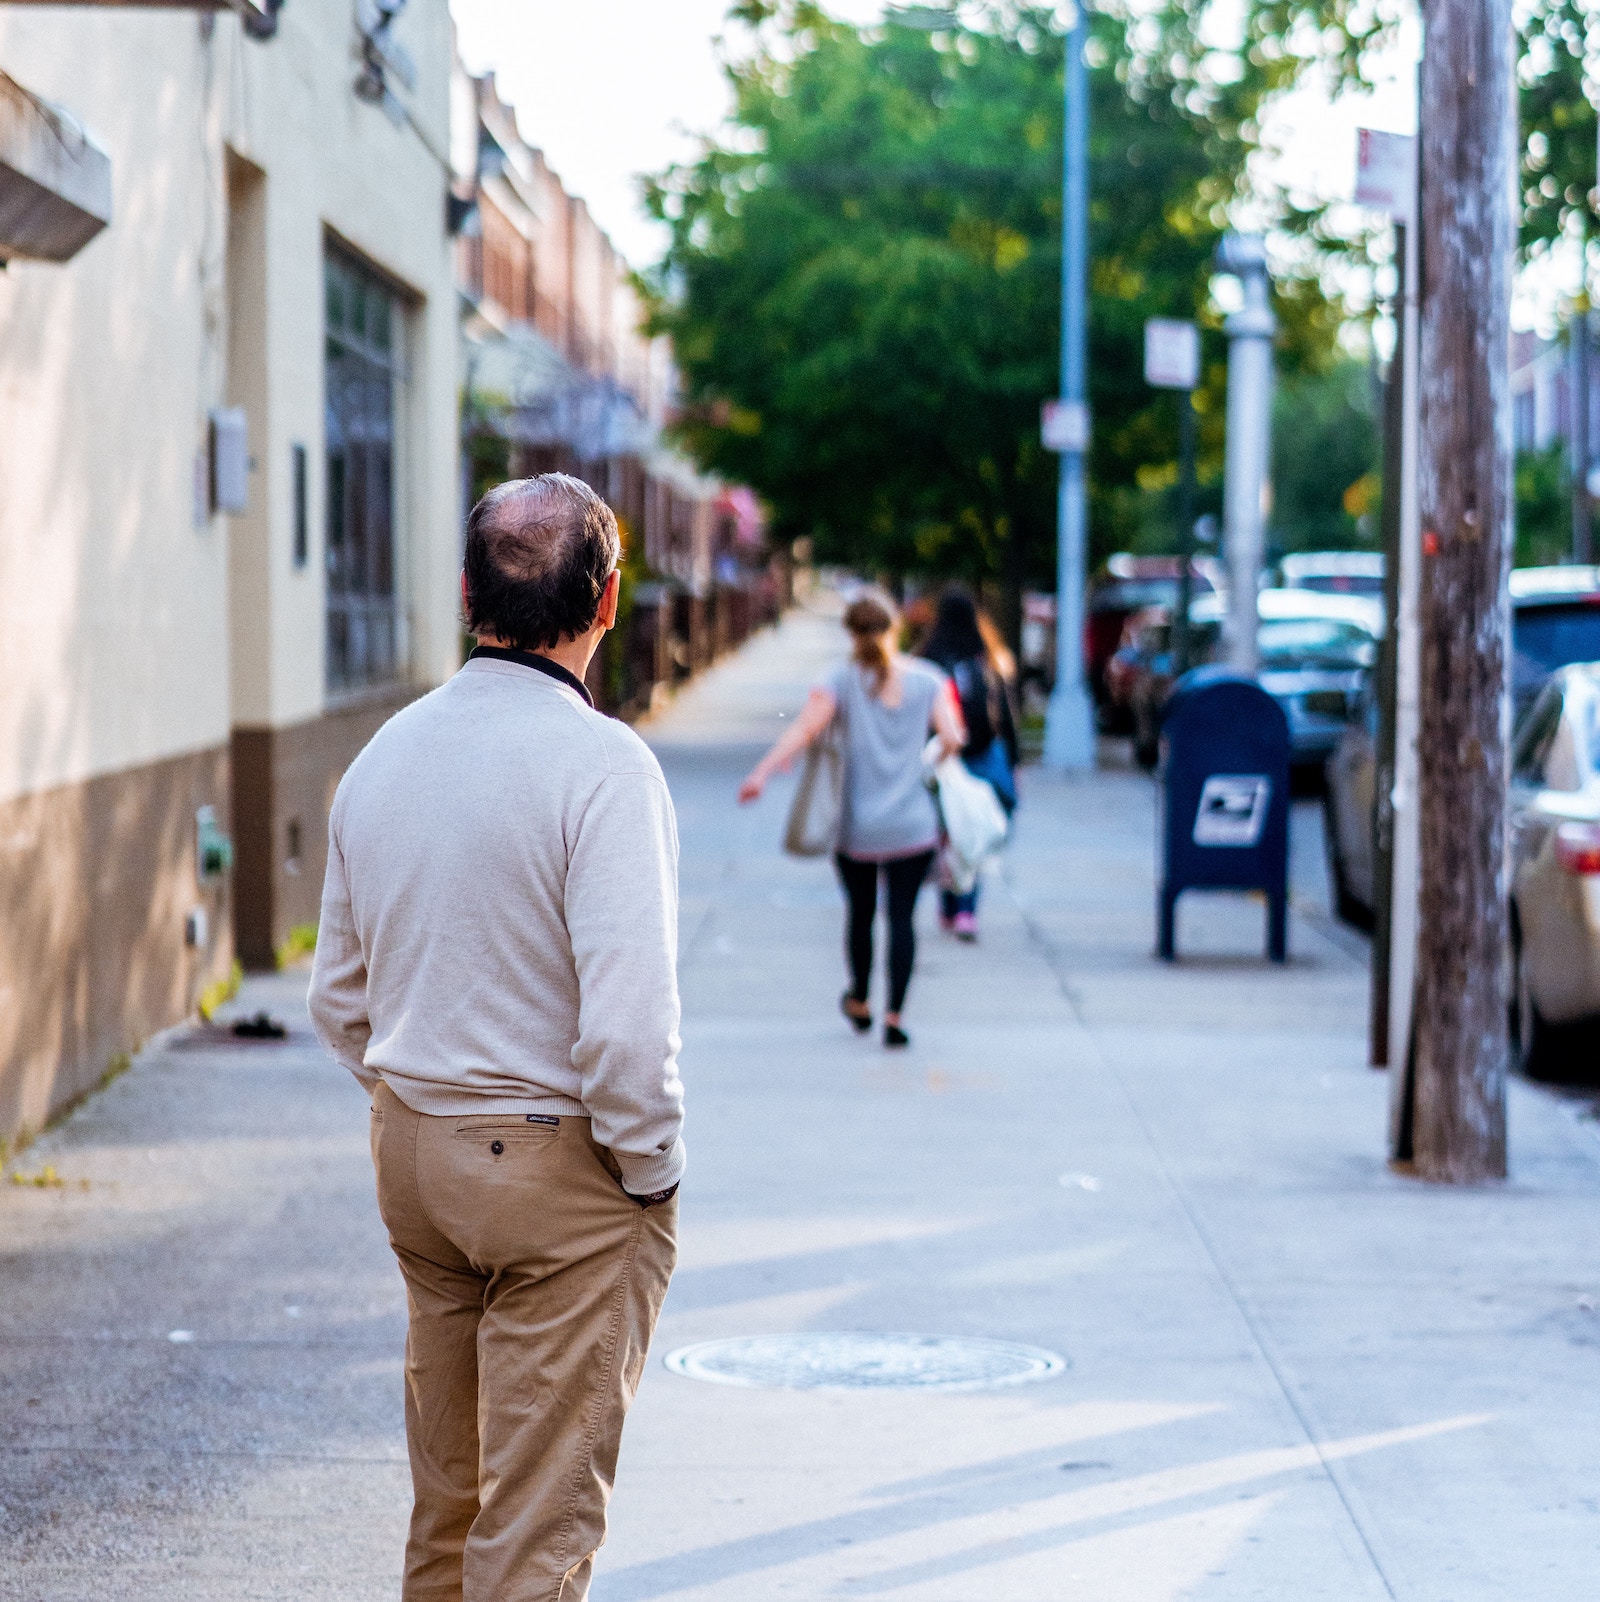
1293, 1375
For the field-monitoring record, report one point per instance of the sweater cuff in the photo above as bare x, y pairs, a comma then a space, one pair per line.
644, 1176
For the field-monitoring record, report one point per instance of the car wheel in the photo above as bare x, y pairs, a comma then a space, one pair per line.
1346, 904
1530, 1034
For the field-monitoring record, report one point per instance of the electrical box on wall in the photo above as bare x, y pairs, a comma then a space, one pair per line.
230, 460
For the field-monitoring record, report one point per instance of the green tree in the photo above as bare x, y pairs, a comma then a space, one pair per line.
1544, 506
867, 288
1325, 460
1558, 122
864, 288
863, 281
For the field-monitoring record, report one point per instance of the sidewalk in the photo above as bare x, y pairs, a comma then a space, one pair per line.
1293, 1375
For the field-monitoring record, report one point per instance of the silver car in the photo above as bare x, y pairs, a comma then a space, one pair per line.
1349, 801
1315, 651
1555, 861
1555, 620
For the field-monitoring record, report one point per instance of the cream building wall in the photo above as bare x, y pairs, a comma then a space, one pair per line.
153, 660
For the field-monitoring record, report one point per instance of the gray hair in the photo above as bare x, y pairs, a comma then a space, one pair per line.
539, 551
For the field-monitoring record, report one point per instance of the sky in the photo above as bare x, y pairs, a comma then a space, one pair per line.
610, 89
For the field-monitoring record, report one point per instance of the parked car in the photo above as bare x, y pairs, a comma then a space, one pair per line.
1129, 585
1554, 828
1349, 800
1315, 653
1555, 621
1554, 821
1334, 572
1139, 677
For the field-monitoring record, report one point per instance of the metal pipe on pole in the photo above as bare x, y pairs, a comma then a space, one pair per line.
1069, 719
1386, 676
1403, 786
1582, 504
1250, 332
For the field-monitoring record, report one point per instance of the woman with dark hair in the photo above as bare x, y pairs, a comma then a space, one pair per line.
886, 704
960, 644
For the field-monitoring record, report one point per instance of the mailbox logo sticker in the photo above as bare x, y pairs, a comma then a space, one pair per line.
1233, 810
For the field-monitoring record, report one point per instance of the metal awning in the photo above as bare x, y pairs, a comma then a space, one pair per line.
55, 181
260, 17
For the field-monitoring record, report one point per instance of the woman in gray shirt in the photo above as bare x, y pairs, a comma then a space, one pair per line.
886, 705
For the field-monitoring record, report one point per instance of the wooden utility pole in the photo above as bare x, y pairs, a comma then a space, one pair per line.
1468, 132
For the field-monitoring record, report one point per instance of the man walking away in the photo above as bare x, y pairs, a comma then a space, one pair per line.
496, 963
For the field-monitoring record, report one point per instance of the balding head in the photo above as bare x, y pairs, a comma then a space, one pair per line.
539, 551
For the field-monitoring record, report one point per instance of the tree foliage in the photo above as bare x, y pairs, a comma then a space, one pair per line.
1558, 121
863, 279
1325, 460
1544, 506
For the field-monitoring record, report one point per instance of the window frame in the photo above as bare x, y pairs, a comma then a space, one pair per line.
365, 327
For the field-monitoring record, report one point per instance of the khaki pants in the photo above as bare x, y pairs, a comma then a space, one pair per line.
534, 1283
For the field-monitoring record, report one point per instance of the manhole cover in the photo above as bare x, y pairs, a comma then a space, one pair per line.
856, 1362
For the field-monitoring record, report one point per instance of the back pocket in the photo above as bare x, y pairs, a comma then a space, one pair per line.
507, 1126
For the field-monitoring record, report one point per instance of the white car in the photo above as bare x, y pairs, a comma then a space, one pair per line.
1315, 652
1554, 819
1334, 572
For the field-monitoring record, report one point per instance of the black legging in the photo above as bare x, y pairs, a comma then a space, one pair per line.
860, 881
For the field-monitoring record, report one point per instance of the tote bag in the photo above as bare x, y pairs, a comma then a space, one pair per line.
817, 812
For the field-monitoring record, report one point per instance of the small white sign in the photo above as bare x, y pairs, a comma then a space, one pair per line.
1386, 172
1171, 354
1064, 426
1233, 809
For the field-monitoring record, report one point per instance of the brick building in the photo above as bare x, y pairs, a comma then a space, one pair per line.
559, 376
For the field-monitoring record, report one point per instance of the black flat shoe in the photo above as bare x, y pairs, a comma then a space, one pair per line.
894, 1035
861, 1022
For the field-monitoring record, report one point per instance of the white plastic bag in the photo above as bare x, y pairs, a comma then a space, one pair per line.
975, 824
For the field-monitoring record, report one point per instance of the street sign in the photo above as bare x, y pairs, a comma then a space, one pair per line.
1064, 426
1171, 354
1386, 172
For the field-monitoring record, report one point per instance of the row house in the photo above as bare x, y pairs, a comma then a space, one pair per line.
229, 485
560, 375
1544, 380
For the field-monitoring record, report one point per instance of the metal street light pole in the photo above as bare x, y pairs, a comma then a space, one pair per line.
1069, 720
1250, 331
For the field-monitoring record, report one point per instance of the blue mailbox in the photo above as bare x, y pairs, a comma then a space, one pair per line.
1226, 796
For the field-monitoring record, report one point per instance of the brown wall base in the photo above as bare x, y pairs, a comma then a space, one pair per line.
96, 881
283, 785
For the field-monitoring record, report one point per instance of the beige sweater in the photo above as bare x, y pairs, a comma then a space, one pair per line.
500, 916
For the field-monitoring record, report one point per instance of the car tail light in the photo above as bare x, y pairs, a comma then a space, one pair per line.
1578, 847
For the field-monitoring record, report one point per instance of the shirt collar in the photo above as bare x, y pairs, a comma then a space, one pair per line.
539, 664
